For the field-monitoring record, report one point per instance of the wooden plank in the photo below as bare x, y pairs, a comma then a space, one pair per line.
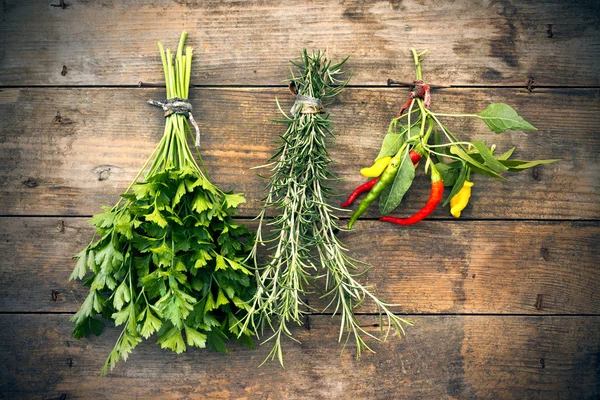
441, 357
249, 43
434, 267
72, 169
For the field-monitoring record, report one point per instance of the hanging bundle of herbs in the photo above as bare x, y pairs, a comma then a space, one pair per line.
417, 132
167, 259
302, 238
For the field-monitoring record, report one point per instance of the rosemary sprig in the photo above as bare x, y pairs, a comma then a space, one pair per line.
302, 238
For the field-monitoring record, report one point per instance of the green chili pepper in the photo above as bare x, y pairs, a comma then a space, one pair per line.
387, 177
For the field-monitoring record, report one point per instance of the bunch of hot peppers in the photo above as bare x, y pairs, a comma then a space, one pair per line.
450, 163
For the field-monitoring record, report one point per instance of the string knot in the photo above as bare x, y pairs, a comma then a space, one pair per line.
307, 105
176, 105
422, 91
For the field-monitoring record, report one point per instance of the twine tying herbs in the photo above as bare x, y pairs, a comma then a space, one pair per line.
178, 105
309, 105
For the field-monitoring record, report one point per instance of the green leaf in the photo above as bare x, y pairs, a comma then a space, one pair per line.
488, 157
172, 340
151, 324
124, 226
123, 316
210, 303
103, 220
157, 218
176, 306
109, 257
448, 173
202, 257
181, 191
393, 194
122, 296
86, 327
200, 203
93, 304
477, 166
239, 303
221, 299
238, 267
233, 200
392, 142
80, 267
122, 349
220, 263
506, 155
460, 181
216, 341
195, 338
519, 165
500, 117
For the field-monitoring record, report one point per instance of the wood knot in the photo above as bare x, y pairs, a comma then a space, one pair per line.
60, 120
536, 173
550, 32
104, 171
30, 183
55, 296
62, 4
104, 174
545, 253
64, 71
539, 302
70, 362
61, 227
543, 363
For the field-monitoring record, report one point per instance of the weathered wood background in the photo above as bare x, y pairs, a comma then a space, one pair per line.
505, 299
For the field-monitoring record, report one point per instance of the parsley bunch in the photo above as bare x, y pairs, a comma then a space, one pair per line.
168, 258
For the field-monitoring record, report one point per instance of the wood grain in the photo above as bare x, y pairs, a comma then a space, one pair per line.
249, 43
434, 267
441, 357
72, 169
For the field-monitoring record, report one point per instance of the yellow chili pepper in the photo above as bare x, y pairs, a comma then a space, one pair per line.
377, 168
461, 199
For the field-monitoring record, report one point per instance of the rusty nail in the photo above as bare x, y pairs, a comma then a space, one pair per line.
64, 70
530, 83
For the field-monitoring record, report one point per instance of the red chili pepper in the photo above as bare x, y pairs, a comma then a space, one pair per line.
437, 190
414, 157
359, 190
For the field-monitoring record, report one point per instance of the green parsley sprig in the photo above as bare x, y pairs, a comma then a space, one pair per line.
168, 259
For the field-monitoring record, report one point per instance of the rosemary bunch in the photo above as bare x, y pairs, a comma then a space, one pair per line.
302, 238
